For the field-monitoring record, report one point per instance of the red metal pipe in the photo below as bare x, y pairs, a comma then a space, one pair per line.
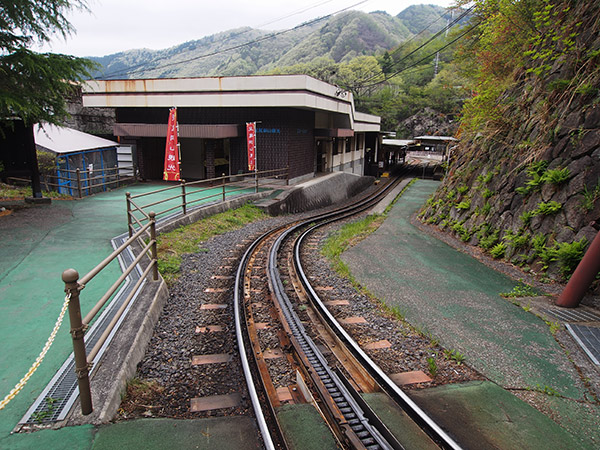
583, 276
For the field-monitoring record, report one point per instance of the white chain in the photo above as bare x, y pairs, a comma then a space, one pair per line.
21, 384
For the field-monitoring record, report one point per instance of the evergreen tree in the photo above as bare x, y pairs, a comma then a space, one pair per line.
34, 86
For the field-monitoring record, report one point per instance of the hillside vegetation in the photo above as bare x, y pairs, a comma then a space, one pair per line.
339, 38
524, 183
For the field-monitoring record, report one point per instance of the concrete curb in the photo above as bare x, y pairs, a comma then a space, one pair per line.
124, 353
380, 207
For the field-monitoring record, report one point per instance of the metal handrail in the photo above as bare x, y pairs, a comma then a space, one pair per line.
73, 286
185, 193
210, 180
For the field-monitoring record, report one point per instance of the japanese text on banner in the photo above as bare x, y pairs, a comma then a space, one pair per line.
251, 138
172, 149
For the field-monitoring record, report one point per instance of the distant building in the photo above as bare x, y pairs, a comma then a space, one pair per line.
97, 159
435, 144
303, 123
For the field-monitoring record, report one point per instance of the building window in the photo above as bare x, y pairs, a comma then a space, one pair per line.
348, 144
335, 146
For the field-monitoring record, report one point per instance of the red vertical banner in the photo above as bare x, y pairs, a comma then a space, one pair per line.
251, 138
172, 149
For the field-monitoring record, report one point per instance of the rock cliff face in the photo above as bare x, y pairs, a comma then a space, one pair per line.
427, 120
530, 192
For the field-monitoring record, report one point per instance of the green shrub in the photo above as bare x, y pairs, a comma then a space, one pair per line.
487, 193
559, 85
465, 204
526, 217
450, 195
556, 176
485, 210
590, 197
498, 250
462, 189
535, 183
539, 243
520, 290
464, 234
569, 255
489, 241
520, 241
537, 168
432, 366
587, 89
547, 208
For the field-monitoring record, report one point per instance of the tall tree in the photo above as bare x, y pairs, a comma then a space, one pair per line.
34, 86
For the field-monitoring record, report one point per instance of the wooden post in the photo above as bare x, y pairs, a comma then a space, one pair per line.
129, 225
79, 183
70, 278
154, 250
183, 198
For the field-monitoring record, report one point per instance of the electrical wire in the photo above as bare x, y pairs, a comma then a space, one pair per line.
432, 38
422, 59
235, 47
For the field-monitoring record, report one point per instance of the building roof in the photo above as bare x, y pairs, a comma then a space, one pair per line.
436, 138
275, 91
398, 142
67, 140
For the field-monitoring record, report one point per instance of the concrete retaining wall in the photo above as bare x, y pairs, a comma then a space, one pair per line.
317, 193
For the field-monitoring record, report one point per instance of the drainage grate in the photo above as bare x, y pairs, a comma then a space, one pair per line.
55, 401
588, 338
571, 315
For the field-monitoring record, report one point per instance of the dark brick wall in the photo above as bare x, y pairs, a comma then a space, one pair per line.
285, 135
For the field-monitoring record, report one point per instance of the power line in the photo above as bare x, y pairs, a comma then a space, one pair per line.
432, 38
423, 59
235, 47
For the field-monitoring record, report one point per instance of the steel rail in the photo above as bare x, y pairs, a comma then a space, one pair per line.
358, 421
427, 423
238, 304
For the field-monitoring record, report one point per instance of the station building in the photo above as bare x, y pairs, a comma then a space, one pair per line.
302, 123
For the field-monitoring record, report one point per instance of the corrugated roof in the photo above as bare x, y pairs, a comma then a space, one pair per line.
436, 138
67, 140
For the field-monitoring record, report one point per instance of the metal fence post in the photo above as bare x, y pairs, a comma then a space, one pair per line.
117, 175
129, 226
287, 175
256, 180
78, 182
183, 198
223, 188
70, 277
154, 250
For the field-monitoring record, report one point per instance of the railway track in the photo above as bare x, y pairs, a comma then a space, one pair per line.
277, 307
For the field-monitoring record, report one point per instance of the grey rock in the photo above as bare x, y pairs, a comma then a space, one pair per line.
589, 143
592, 118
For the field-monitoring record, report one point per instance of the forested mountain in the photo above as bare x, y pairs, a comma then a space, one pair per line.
339, 38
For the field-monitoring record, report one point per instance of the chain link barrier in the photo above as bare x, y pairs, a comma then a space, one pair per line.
21, 384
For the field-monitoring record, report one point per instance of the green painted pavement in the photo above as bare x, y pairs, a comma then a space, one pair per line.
235, 433
405, 430
38, 244
456, 298
304, 428
483, 415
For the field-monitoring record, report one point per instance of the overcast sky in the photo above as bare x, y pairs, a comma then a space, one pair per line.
112, 26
